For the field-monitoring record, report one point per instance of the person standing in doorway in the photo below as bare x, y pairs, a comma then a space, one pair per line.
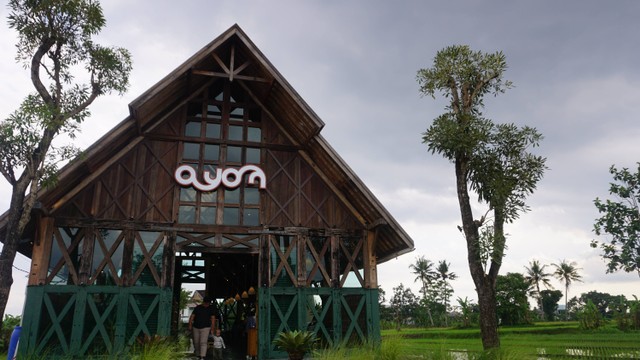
202, 322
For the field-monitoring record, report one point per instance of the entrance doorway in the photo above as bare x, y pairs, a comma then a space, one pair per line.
229, 278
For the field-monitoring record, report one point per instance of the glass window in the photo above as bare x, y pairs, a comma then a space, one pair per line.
235, 132
254, 134
234, 154
214, 112
230, 216
191, 151
236, 113
192, 129
187, 214
188, 194
209, 197
251, 196
232, 196
208, 215
251, 217
213, 131
253, 156
211, 152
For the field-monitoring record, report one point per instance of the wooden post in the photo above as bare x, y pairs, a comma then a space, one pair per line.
41, 252
370, 263
264, 275
88, 242
335, 261
301, 239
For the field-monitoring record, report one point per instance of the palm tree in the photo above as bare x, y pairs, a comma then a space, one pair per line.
567, 272
536, 275
444, 277
423, 269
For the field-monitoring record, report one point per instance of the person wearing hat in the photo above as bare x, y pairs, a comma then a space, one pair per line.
202, 322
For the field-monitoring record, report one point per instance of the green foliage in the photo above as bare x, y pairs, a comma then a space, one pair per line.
621, 221
511, 299
391, 348
8, 324
468, 313
295, 342
589, 317
158, 347
549, 300
403, 304
627, 315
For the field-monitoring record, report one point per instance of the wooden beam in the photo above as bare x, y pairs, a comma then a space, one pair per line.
87, 180
370, 265
41, 252
226, 76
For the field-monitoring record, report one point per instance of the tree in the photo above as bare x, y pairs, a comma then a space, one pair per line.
621, 220
511, 296
549, 302
604, 302
54, 42
536, 275
404, 304
444, 277
423, 269
490, 159
567, 273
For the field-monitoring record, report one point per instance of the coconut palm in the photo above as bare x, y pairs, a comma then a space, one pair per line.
535, 276
423, 269
567, 273
445, 276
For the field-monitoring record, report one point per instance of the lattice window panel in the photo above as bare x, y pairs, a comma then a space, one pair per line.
100, 315
147, 258
351, 248
318, 261
353, 313
283, 260
109, 246
64, 262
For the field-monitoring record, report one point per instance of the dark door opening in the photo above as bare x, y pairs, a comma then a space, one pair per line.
232, 280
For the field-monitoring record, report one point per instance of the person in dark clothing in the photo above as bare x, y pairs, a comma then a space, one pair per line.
202, 322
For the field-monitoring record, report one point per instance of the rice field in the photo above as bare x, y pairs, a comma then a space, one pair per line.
557, 340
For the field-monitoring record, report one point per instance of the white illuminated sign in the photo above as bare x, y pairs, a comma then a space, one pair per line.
230, 178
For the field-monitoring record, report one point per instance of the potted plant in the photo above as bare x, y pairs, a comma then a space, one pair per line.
295, 343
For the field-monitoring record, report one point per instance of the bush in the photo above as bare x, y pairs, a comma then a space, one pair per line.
9, 323
590, 317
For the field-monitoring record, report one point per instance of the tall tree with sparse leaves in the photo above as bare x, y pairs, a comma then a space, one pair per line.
491, 160
55, 42
621, 221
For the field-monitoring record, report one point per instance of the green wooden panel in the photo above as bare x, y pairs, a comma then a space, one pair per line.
334, 315
80, 321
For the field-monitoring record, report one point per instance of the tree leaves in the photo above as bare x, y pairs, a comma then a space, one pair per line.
621, 221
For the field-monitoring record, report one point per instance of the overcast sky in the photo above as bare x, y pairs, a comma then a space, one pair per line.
574, 65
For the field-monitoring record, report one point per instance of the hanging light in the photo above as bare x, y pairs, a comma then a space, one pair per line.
252, 291
245, 295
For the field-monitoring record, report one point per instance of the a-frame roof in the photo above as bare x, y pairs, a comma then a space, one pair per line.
233, 55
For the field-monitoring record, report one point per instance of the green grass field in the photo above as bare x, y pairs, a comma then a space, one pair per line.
556, 340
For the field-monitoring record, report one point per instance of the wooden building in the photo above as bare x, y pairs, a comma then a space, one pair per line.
220, 176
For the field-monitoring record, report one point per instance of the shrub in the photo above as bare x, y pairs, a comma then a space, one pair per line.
590, 317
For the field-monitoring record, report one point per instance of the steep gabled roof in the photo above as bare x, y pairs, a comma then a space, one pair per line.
233, 55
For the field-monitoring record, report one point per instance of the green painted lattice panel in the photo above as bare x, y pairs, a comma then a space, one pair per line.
336, 316
78, 321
